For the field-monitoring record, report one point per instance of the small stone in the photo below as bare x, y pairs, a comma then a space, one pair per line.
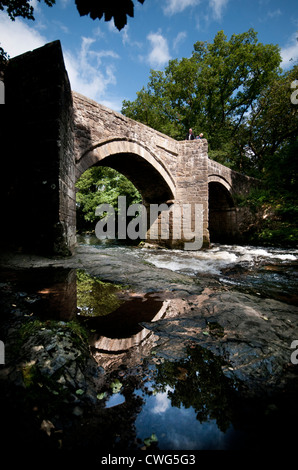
61, 380
77, 411
47, 426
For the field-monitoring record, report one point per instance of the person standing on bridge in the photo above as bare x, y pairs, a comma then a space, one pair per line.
190, 135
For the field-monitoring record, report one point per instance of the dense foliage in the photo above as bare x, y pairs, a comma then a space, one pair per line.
23, 8
95, 297
100, 185
107, 8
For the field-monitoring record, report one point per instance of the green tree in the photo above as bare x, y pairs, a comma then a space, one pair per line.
95, 297
153, 107
212, 91
100, 185
270, 131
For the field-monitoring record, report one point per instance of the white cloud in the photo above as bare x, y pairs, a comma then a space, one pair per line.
177, 6
17, 37
270, 15
289, 53
61, 26
35, 4
98, 33
127, 41
179, 39
113, 102
112, 28
64, 3
217, 7
159, 54
91, 72
161, 402
87, 73
274, 13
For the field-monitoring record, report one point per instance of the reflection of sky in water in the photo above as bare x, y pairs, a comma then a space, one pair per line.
178, 428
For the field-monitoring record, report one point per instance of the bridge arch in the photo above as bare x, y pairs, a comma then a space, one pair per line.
222, 210
213, 178
136, 162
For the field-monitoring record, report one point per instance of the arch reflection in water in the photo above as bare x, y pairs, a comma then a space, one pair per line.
119, 337
114, 317
111, 313
122, 329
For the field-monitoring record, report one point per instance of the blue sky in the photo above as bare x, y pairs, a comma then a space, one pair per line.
110, 66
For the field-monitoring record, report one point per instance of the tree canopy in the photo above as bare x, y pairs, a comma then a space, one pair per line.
109, 8
233, 91
96, 9
22, 8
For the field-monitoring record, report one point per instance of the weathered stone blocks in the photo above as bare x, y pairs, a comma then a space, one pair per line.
54, 135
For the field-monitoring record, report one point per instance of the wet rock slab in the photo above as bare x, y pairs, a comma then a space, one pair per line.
254, 336
109, 265
56, 394
251, 334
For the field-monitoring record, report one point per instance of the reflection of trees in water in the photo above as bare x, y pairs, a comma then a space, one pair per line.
95, 297
198, 382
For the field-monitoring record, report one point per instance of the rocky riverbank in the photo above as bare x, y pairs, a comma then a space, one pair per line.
62, 382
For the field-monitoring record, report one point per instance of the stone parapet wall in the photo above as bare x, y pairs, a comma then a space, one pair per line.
95, 124
235, 182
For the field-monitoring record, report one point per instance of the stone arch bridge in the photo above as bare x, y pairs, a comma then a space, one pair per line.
54, 135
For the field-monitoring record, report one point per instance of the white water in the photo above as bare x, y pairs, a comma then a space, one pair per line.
217, 258
265, 269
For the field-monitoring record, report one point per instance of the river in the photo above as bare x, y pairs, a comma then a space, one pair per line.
179, 410
185, 343
266, 271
